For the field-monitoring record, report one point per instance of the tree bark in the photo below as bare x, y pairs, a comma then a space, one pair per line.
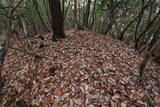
142, 35
148, 54
56, 19
39, 14
87, 13
5, 39
92, 19
75, 13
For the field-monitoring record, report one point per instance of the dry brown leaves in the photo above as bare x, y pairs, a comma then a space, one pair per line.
84, 70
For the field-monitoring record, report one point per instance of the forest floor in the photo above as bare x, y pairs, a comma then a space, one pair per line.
85, 69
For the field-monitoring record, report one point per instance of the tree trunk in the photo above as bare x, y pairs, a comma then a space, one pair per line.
2, 58
146, 58
142, 35
75, 14
87, 13
39, 15
56, 19
92, 19
66, 10
143, 65
5, 39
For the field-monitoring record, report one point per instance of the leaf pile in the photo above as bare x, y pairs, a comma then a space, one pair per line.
83, 70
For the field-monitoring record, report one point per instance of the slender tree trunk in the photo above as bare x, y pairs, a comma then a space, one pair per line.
146, 58
26, 33
2, 55
142, 35
138, 23
87, 13
56, 19
5, 40
75, 13
66, 10
93, 14
39, 14
121, 35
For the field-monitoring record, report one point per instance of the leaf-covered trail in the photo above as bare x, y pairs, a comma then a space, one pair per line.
83, 70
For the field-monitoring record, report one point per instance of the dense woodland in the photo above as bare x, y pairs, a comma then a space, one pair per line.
79, 53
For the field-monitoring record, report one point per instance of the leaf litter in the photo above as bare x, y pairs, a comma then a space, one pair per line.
85, 69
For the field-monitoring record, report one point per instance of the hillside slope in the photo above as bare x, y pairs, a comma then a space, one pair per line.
83, 70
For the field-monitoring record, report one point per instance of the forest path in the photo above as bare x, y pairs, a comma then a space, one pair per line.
84, 69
